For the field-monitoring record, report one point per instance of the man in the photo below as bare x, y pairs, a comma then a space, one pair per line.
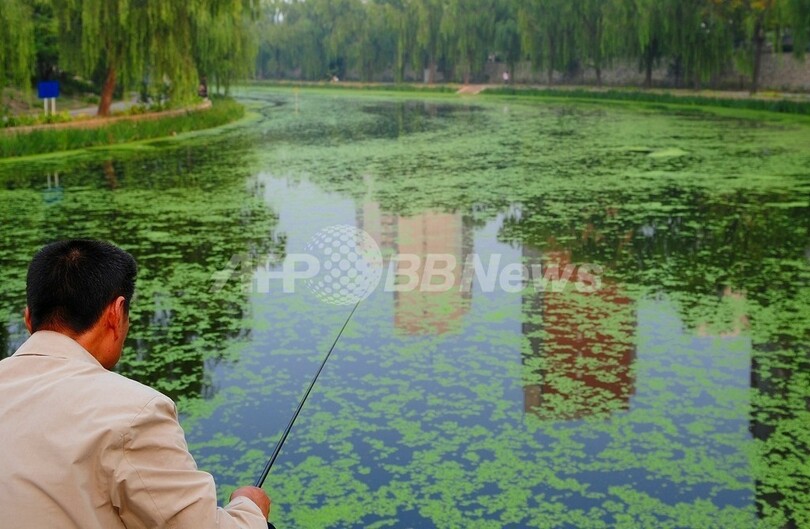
83, 447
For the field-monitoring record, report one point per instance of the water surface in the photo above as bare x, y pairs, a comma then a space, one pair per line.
675, 395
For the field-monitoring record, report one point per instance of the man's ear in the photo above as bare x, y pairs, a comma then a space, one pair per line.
116, 315
27, 318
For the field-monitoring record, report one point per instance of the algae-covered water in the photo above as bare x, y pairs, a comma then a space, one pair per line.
675, 393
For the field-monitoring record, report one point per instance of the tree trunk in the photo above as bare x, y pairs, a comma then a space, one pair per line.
551, 55
759, 44
648, 67
678, 67
107, 91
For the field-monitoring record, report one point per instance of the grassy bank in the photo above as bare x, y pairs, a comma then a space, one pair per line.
732, 102
783, 106
351, 85
44, 141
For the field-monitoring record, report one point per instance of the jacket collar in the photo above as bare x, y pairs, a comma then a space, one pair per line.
51, 343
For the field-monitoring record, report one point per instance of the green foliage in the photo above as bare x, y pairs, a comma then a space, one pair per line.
507, 36
468, 26
155, 42
35, 119
799, 16
46, 41
383, 40
225, 44
16, 44
547, 31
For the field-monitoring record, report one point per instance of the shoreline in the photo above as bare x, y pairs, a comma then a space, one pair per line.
56, 138
784, 103
98, 122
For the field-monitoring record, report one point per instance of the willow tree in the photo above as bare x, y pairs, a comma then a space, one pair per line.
403, 19
225, 43
700, 39
369, 37
507, 36
342, 33
468, 28
16, 44
589, 19
292, 38
760, 17
131, 42
428, 18
647, 24
320, 35
799, 16
547, 32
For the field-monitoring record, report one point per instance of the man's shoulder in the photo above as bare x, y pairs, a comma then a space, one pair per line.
53, 366
123, 390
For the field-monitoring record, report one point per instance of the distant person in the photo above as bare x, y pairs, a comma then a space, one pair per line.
202, 90
335, 79
505, 77
83, 447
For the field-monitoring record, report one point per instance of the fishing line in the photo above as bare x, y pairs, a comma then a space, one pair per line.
280, 443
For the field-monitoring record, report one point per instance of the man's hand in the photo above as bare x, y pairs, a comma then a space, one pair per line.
257, 496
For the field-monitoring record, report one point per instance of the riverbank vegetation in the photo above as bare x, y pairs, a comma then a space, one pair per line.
367, 40
171, 54
115, 45
223, 110
780, 105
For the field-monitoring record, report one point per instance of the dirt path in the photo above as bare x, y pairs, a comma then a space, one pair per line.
473, 89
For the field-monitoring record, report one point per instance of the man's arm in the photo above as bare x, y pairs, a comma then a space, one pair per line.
157, 484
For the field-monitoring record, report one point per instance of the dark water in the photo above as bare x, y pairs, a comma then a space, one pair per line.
675, 394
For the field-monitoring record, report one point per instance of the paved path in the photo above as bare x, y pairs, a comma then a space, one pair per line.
118, 106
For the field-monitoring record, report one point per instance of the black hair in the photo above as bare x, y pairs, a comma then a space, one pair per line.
70, 283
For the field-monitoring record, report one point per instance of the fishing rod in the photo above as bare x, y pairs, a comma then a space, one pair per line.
280, 443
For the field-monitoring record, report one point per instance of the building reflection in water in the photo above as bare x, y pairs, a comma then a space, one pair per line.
420, 311
579, 362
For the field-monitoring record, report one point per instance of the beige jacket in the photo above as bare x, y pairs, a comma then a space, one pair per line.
84, 448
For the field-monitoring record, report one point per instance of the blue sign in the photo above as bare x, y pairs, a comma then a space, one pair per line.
48, 89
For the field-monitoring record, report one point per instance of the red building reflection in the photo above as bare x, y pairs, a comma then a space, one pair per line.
582, 345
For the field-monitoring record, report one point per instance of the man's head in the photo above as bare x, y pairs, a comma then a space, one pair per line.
82, 288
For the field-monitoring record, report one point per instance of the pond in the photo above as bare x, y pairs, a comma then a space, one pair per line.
667, 384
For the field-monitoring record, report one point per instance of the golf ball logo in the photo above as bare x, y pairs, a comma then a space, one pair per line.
351, 264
